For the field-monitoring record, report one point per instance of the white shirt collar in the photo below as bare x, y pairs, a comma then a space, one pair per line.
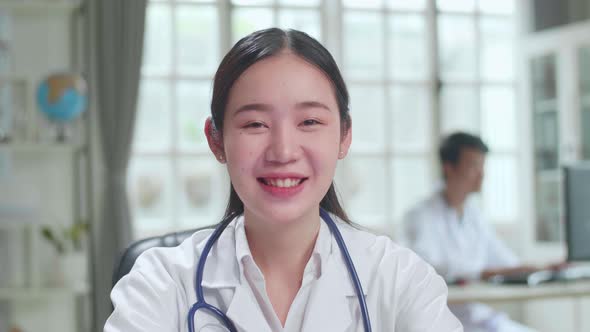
319, 256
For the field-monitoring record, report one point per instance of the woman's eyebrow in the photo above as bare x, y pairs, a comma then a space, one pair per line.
311, 104
261, 107
253, 107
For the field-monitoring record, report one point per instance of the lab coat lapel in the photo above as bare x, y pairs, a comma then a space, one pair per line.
244, 311
328, 307
330, 302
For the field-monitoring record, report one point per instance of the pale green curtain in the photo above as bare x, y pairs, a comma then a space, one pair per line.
115, 32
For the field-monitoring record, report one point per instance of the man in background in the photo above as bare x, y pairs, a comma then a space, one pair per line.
448, 231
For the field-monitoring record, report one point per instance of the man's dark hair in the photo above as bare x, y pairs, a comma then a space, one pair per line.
451, 147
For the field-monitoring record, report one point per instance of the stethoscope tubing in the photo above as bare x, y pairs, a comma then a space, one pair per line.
351, 269
201, 304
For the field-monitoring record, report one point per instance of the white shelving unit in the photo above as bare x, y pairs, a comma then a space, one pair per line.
34, 6
552, 86
33, 293
35, 282
45, 40
34, 129
42, 148
30, 293
33, 276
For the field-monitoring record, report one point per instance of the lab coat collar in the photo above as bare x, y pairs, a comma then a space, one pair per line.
225, 273
329, 301
329, 306
358, 243
319, 254
244, 311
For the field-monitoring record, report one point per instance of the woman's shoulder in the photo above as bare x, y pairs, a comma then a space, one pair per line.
382, 261
377, 249
402, 282
159, 283
164, 257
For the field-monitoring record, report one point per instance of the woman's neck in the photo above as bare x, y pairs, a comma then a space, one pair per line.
281, 250
282, 247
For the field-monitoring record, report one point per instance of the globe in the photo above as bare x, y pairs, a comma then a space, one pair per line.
62, 97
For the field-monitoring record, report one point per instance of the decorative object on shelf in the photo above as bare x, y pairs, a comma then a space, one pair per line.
71, 270
198, 189
70, 238
148, 189
13, 120
62, 97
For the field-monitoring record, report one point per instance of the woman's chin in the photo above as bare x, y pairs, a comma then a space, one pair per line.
284, 214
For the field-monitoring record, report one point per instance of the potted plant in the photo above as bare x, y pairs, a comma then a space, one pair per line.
71, 269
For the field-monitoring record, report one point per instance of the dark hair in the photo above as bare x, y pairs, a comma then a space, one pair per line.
452, 146
258, 46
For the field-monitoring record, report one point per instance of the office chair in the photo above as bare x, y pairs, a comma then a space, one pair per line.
127, 259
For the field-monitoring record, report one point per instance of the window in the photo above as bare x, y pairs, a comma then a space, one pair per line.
385, 61
392, 54
173, 181
476, 66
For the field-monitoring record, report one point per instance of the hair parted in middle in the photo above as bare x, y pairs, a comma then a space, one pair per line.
256, 47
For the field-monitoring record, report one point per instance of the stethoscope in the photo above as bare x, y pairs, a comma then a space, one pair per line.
201, 304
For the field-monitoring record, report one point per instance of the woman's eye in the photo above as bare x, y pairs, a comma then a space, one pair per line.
254, 125
310, 122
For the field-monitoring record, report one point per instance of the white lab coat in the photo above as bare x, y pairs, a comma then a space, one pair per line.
403, 293
459, 248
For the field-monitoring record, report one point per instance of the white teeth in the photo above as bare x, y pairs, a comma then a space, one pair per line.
283, 183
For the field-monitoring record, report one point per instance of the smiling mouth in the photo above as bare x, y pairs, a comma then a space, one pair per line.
282, 183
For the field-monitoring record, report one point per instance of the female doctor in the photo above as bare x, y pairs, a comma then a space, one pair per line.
280, 122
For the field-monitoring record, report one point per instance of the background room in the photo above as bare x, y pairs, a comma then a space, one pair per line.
126, 157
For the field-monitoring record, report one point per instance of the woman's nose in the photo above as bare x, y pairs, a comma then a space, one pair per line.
283, 145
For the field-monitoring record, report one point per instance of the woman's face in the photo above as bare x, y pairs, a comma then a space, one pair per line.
282, 137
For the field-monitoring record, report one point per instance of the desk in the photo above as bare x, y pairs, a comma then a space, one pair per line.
490, 293
485, 292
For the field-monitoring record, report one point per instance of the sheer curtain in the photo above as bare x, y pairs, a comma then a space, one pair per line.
115, 32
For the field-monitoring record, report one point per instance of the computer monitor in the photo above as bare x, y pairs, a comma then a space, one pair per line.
577, 211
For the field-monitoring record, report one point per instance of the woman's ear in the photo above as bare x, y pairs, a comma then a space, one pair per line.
345, 142
215, 140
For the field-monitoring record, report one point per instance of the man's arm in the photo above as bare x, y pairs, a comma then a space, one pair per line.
502, 260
